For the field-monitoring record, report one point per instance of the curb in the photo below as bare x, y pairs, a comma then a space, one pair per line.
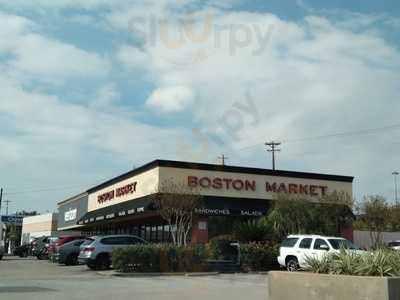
144, 275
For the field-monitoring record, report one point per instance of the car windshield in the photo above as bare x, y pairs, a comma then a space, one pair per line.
289, 242
342, 243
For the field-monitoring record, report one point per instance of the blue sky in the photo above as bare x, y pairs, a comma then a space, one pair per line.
92, 88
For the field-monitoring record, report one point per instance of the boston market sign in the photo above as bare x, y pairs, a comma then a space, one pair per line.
219, 183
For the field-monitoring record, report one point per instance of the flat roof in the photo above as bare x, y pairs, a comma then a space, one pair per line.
73, 198
219, 168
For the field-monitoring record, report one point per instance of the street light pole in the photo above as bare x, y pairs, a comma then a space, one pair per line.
395, 174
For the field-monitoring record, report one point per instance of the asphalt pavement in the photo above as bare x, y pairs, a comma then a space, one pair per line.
31, 279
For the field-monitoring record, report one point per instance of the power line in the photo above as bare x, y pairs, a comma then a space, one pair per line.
327, 136
273, 149
42, 190
349, 133
7, 202
223, 159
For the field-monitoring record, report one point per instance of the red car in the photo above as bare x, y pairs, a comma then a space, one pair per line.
55, 245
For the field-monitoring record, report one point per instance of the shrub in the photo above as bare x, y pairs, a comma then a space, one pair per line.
381, 262
139, 258
259, 257
220, 248
252, 230
160, 258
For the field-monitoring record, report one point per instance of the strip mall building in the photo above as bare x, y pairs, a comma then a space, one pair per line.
125, 204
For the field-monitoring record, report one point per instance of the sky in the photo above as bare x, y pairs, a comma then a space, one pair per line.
93, 88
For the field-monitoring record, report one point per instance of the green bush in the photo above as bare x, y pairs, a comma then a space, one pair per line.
160, 258
220, 248
381, 262
252, 230
259, 257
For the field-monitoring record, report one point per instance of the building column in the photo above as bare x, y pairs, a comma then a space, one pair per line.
200, 230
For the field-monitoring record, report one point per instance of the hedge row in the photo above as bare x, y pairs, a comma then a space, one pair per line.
160, 258
259, 257
169, 258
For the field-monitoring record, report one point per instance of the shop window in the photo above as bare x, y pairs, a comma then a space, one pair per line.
148, 233
143, 233
134, 230
160, 234
167, 234
153, 234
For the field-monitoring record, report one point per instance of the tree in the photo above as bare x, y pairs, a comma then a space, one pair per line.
13, 234
176, 204
375, 214
26, 213
302, 215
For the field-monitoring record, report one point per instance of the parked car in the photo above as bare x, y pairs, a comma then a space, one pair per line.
2, 249
40, 247
96, 251
395, 245
68, 252
23, 250
295, 249
60, 241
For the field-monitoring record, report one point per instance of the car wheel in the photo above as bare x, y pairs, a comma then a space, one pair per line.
292, 265
1, 257
102, 262
72, 260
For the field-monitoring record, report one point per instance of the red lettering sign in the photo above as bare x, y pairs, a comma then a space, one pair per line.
119, 192
221, 183
293, 188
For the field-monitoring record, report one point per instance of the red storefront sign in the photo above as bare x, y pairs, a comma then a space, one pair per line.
118, 192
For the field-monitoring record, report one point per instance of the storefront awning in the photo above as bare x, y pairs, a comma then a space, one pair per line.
224, 206
212, 206
118, 211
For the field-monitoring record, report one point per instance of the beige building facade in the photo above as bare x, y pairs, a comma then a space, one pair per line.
125, 204
40, 225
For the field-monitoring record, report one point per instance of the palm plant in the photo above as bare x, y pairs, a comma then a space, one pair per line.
252, 230
381, 262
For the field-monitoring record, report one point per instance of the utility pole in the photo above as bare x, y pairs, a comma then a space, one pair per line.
7, 202
395, 174
223, 158
273, 149
1, 198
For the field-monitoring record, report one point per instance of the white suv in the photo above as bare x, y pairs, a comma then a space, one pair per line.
296, 248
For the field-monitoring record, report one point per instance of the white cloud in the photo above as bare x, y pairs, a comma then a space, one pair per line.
57, 144
170, 99
106, 97
133, 57
312, 78
316, 76
35, 56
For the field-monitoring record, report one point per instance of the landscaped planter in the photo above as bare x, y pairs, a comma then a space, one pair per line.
311, 286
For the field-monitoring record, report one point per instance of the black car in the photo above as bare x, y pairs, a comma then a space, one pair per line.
23, 250
68, 253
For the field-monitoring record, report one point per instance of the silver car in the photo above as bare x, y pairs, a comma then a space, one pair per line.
95, 252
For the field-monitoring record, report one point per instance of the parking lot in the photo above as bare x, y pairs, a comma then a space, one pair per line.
32, 279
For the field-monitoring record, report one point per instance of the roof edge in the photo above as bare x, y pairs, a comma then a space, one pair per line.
76, 197
220, 168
